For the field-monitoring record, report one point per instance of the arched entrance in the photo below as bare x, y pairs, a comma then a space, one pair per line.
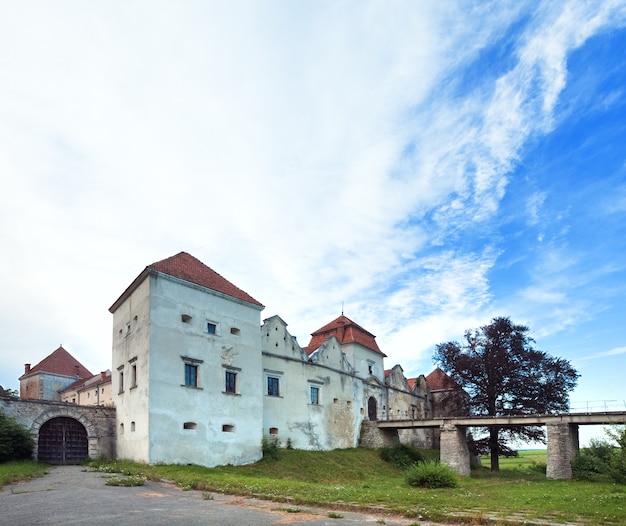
62, 440
372, 411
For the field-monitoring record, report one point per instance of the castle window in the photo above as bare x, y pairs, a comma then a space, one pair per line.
273, 430
228, 428
315, 395
185, 318
132, 427
273, 387
235, 331
191, 371
121, 380
191, 375
211, 327
231, 382
133, 376
189, 425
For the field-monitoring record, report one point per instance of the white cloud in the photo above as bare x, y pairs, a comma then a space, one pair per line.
312, 154
612, 352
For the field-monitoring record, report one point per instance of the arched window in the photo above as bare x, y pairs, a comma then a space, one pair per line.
372, 408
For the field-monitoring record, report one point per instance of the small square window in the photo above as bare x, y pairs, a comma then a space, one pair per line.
211, 328
231, 382
273, 386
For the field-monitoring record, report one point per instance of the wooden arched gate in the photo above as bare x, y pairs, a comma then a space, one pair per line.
62, 440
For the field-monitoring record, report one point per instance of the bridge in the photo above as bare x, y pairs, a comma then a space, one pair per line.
65, 433
563, 443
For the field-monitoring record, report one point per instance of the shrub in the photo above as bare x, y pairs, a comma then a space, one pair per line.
15, 440
401, 455
270, 445
601, 460
431, 475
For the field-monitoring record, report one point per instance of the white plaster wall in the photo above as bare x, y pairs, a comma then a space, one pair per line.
131, 331
335, 421
208, 407
360, 357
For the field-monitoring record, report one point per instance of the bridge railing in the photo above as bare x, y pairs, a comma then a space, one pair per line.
597, 406
585, 406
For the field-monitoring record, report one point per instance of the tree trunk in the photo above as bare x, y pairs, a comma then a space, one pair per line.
494, 449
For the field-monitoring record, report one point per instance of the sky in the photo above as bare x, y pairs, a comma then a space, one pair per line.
422, 166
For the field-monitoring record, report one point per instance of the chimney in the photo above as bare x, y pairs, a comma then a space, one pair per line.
26, 368
103, 375
76, 371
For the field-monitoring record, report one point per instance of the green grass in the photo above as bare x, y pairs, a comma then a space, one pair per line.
359, 479
527, 458
20, 470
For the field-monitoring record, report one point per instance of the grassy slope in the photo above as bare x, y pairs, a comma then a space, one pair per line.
360, 478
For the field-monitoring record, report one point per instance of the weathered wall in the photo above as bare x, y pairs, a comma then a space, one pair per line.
374, 438
334, 421
44, 386
165, 420
98, 421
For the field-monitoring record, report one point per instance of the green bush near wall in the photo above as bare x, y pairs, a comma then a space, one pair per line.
15, 440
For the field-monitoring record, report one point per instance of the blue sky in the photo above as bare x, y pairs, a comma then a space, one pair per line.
429, 165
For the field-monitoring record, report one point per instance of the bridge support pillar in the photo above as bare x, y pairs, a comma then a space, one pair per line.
562, 449
453, 449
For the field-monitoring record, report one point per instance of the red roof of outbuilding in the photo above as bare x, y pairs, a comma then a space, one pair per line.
438, 380
60, 362
186, 267
346, 331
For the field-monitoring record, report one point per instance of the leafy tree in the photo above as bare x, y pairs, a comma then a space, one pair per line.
8, 393
504, 374
15, 440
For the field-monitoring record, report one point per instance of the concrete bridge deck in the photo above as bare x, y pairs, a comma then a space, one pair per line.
563, 442
607, 417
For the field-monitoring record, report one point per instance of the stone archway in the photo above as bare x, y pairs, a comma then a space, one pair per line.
62, 440
372, 409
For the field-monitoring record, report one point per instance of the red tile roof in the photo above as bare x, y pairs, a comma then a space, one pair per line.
187, 268
60, 362
92, 381
346, 331
438, 380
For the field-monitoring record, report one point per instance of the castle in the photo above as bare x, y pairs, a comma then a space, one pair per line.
195, 381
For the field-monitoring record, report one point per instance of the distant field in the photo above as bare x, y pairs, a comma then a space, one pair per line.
527, 458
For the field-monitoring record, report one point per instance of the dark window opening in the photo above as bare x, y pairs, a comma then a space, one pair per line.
231, 382
272, 386
191, 375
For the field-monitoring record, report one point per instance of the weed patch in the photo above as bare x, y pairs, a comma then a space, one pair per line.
125, 481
